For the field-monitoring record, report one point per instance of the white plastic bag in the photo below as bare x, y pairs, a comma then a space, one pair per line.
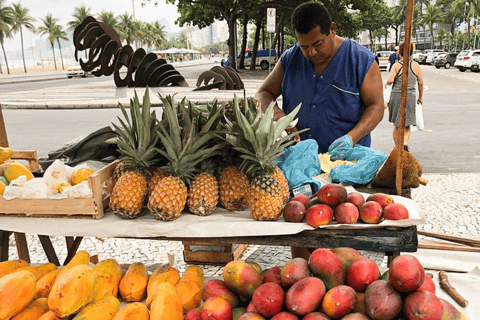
35, 189
419, 115
386, 93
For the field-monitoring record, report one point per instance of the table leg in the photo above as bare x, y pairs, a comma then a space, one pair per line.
22, 247
4, 239
48, 248
391, 256
72, 249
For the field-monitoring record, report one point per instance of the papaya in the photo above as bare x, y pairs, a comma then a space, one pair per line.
133, 311
189, 288
40, 271
14, 169
109, 274
45, 283
72, 290
3, 186
166, 305
9, 266
162, 274
17, 290
50, 315
3, 179
104, 309
81, 175
81, 257
34, 310
133, 286
5, 154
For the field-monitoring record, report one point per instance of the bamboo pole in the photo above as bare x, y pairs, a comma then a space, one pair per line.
3, 131
403, 100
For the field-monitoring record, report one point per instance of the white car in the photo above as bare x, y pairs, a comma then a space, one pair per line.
432, 56
464, 59
383, 61
416, 54
76, 71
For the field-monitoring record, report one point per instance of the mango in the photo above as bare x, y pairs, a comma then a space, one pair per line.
422, 305
305, 296
325, 265
242, 278
294, 270
361, 274
339, 301
268, 299
332, 194
382, 301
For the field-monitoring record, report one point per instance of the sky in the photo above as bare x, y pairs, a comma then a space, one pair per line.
64, 9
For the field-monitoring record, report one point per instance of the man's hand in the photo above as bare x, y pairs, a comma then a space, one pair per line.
340, 148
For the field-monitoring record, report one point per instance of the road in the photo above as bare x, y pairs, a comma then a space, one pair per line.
451, 112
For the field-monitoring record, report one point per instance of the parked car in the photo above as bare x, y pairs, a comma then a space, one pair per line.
264, 57
475, 64
383, 56
445, 60
464, 59
416, 54
76, 71
432, 56
422, 58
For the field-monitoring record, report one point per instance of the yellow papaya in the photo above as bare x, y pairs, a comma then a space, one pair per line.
133, 286
50, 315
72, 290
162, 274
45, 283
189, 288
14, 169
17, 290
166, 305
5, 154
81, 257
81, 175
3, 186
109, 274
40, 271
104, 309
34, 310
133, 311
9, 266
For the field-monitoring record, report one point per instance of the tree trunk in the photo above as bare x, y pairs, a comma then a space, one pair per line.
371, 41
258, 26
433, 42
263, 38
424, 38
61, 55
231, 41
241, 63
5, 55
23, 52
53, 50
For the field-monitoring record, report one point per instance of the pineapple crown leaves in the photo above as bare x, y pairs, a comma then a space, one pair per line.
136, 138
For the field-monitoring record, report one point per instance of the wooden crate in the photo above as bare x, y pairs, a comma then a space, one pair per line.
206, 252
70, 207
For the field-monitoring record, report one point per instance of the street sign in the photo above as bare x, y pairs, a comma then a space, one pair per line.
271, 12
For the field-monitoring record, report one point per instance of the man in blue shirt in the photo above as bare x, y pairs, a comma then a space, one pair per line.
335, 79
393, 58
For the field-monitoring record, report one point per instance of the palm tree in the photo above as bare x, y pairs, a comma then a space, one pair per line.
108, 17
441, 36
6, 19
126, 27
159, 34
48, 28
21, 18
80, 13
432, 15
59, 34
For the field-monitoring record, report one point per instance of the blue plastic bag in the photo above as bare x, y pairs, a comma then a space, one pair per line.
299, 163
369, 161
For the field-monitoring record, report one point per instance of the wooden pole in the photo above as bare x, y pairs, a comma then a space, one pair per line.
3, 131
403, 100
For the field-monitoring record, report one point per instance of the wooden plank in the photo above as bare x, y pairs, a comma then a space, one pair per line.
207, 257
239, 251
73, 249
423, 244
49, 250
22, 246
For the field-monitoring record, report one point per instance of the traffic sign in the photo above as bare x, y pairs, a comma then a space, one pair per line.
271, 12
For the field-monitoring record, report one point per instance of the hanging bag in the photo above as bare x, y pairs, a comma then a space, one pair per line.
419, 116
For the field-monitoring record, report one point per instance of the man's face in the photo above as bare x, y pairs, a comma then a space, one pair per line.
316, 46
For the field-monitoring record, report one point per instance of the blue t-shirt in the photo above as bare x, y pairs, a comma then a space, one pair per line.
331, 102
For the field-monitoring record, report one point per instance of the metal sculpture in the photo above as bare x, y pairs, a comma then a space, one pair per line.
224, 78
107, 53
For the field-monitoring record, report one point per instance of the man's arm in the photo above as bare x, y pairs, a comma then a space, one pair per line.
270, 89
372, 97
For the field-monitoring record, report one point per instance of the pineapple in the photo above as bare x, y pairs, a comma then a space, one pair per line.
136, 140
259, 140
157, 175
120, 169
185, 148
234, 185
203, 194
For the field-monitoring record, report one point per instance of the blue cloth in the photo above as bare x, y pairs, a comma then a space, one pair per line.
331, 102
341, 147
299, 163
369, 161
392, 58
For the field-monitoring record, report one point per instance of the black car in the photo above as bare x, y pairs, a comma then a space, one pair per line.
445, 60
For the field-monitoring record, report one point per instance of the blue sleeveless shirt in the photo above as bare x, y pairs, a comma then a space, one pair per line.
331, 102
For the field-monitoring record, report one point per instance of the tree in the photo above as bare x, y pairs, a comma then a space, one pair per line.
126, 28
158, 33
441, 36
20, 19
59, 34
373, 21
48, 27
432, 15
6, 19
398, 14
79, 13
108, 17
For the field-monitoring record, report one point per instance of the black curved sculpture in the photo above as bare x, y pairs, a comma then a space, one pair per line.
107, 53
